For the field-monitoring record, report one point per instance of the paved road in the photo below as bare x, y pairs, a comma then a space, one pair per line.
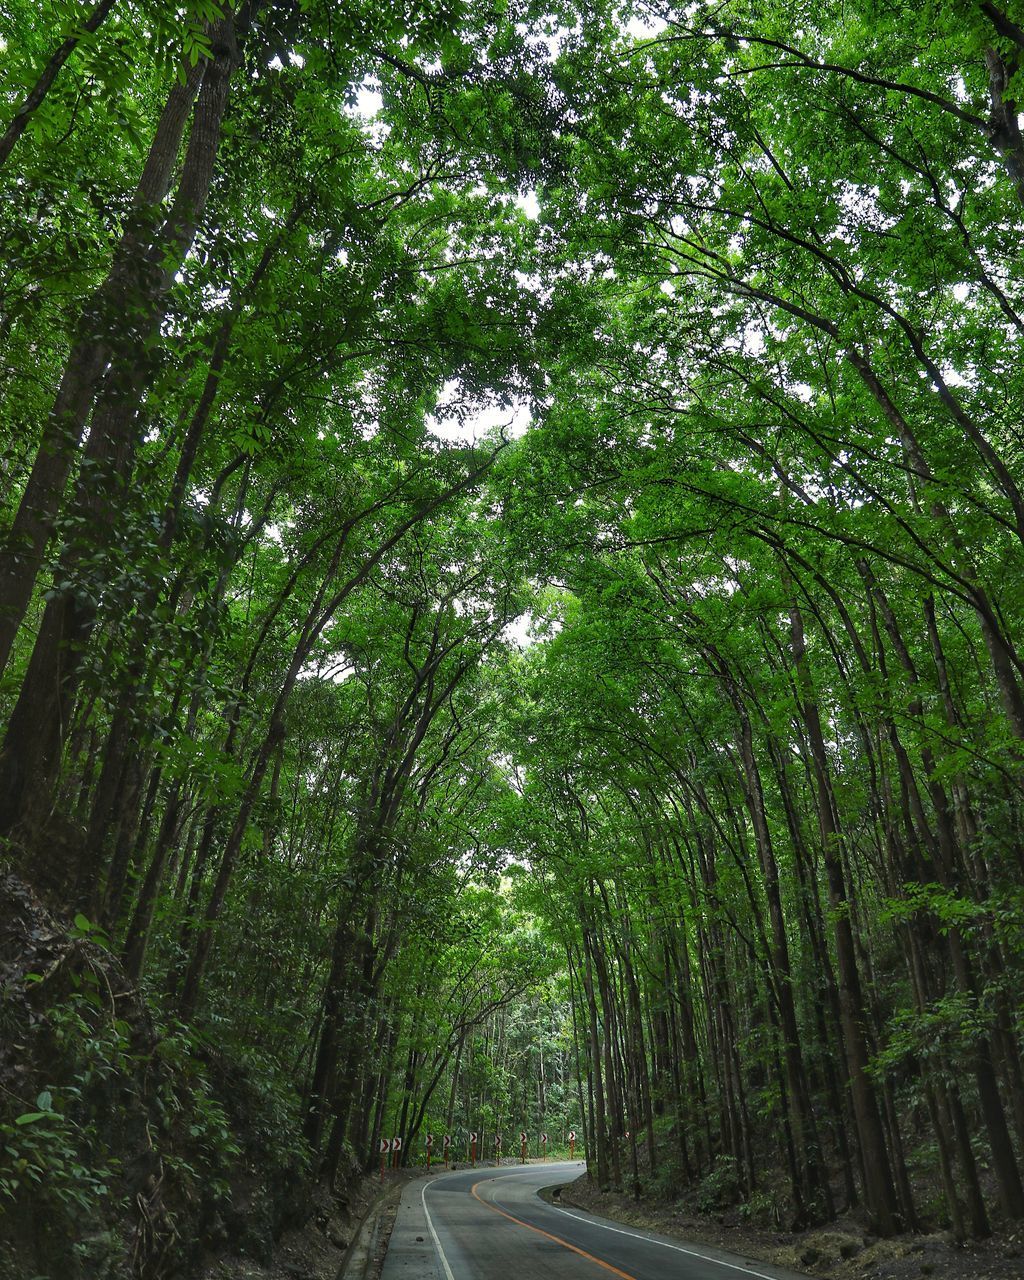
490, 1224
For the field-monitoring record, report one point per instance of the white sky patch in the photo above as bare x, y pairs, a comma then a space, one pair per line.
552, 40
527, 630
529, 204
645, 26
518, 632
953, 377
368, 106
369, 101
335, 670
465, 426
296, 60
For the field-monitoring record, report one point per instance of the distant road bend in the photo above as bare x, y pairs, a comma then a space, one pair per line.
483, 1224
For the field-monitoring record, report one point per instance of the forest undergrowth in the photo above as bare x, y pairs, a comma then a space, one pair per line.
133, 1147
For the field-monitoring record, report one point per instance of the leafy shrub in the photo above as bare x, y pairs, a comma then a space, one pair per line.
45, 1154
55, 1153
720, 1187
763, 1208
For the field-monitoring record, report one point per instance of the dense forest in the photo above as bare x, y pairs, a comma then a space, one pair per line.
511, 605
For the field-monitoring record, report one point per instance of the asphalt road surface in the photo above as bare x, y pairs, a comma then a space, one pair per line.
490, 1224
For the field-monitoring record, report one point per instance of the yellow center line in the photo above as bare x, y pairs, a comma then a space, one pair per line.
489, 1204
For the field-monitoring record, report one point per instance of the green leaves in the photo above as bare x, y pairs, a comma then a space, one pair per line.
949, 910
372, 722
45, 1104
89, 930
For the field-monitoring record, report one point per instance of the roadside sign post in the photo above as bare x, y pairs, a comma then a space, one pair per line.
396, 1147
472, 1150
572, 1142
446, 1143
385, 1147
497, 1148
430, 1147
522, 1146
544, 1145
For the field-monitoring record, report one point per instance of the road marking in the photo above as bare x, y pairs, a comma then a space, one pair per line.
624, 1275
433, 1234
678, 1248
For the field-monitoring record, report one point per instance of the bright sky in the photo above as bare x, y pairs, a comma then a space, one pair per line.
645, 28
468, 427
518, 632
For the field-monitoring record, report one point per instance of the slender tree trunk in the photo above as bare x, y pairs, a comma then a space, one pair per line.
102, 331
879, 1189
31, 755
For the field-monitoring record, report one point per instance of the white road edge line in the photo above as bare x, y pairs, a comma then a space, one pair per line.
433, 1234
636, 1235
704, 1257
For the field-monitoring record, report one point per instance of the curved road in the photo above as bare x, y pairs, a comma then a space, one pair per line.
490, 1224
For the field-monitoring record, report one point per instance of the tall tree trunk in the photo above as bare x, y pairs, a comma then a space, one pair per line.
879, 1188
102, 331
31, 756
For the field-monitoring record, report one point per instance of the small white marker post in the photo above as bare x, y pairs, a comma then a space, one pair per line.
572, 1142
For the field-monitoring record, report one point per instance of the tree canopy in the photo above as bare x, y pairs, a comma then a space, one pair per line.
511, 575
